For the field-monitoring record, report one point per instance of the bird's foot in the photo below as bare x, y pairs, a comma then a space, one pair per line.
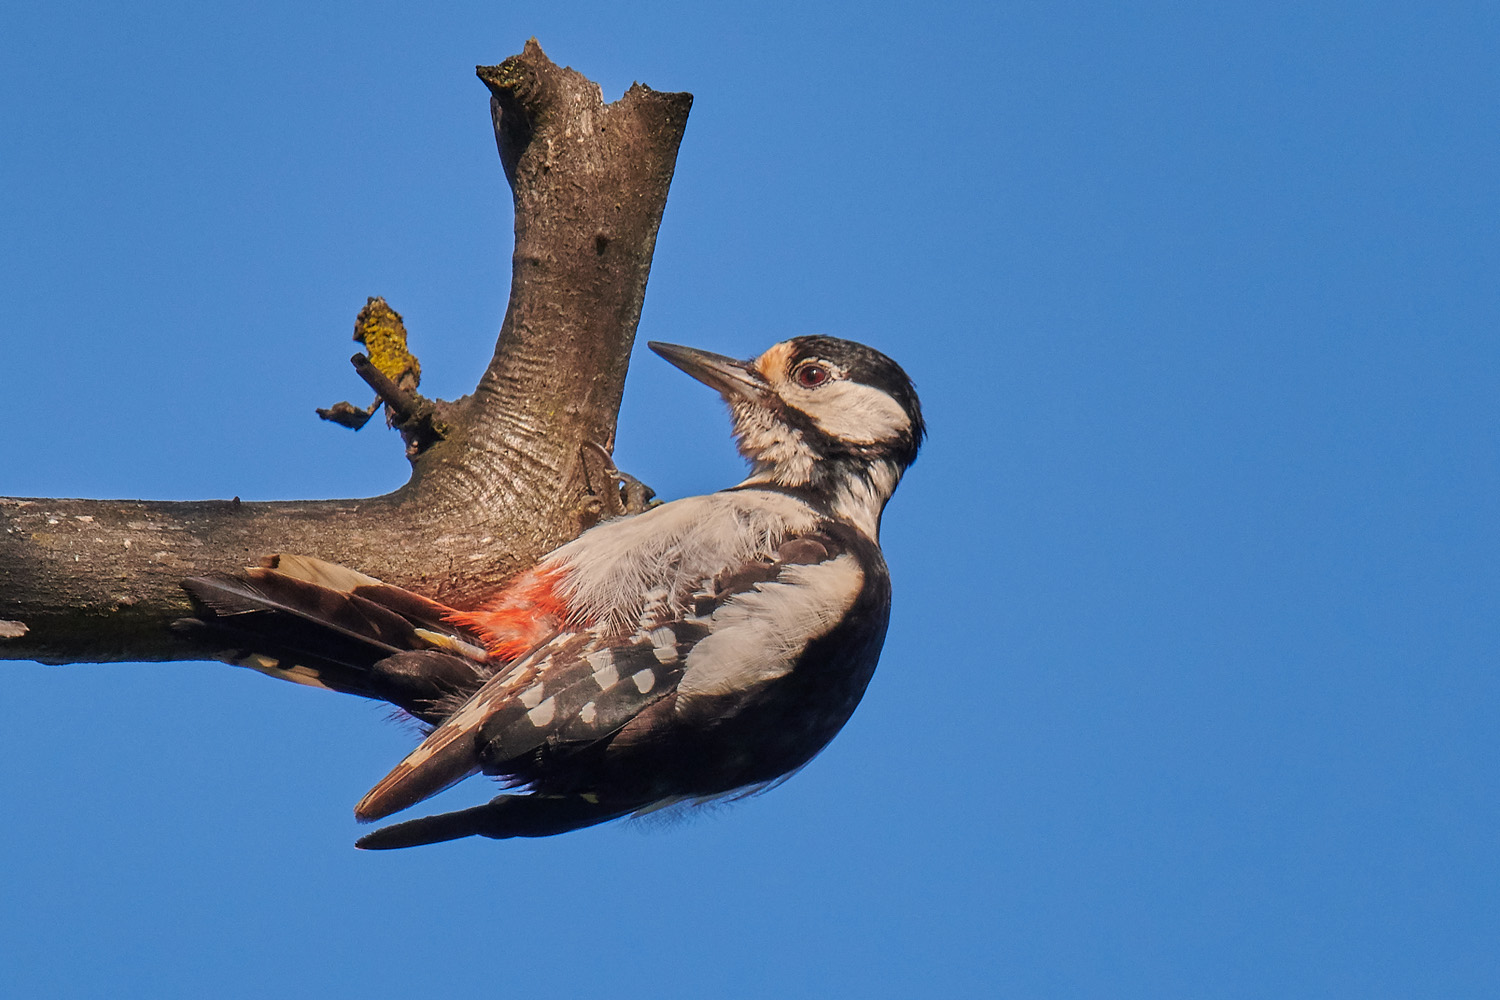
612, 493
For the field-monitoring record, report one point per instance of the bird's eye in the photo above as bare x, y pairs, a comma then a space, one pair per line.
811, 375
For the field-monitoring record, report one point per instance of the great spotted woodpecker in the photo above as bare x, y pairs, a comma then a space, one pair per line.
708, 646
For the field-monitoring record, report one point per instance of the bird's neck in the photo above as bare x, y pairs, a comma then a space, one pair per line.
854, 490
852, 482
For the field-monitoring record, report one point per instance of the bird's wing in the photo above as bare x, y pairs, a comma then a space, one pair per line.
575, 688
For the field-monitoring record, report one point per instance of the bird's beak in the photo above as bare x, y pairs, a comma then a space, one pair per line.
730, 377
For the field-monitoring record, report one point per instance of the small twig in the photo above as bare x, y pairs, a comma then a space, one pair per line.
411, 413
346, 414
403, 404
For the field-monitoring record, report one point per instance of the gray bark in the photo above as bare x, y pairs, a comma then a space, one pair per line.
97, 580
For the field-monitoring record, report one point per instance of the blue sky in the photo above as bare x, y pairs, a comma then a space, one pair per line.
1190, 688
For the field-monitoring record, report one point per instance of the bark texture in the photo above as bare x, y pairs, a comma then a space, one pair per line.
97, 580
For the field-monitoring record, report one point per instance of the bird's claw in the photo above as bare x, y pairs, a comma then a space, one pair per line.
614, 493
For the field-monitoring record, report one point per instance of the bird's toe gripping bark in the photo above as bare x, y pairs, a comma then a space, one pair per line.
612, 493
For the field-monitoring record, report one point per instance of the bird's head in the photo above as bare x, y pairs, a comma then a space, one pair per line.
812, 411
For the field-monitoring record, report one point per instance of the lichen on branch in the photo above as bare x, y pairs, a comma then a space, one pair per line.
383, 332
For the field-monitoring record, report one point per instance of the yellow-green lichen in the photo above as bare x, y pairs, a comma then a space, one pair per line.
380, 329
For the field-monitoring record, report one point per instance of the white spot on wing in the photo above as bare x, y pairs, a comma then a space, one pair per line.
664, 645
304, 675
605, 673
588, 713
532, 696
645, 680
543, 713
470, 717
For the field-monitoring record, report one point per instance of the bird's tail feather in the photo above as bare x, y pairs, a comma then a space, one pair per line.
319, 624
500, 818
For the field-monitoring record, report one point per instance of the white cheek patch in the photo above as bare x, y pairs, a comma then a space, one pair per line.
849, 411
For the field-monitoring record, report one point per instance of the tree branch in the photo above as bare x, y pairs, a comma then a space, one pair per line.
97, 580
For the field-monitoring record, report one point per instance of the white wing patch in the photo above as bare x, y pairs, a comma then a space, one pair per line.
758, 634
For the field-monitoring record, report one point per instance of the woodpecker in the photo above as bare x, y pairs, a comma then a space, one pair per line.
705, 648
